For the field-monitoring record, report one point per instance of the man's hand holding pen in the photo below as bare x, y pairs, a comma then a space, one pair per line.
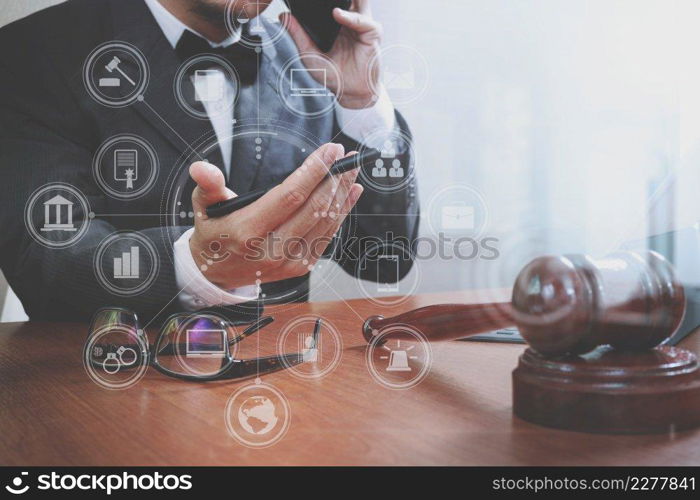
299, 216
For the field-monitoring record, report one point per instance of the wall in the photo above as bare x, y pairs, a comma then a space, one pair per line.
566, 116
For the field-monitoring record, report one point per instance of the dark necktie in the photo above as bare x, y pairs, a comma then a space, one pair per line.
242, 57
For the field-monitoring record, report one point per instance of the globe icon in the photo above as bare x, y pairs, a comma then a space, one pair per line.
257, 415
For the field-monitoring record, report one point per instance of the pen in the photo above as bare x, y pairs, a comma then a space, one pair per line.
341, 166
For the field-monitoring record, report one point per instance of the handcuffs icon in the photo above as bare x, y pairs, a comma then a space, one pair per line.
115, 360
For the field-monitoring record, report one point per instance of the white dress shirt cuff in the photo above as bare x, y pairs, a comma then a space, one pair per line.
369, 126
196, 291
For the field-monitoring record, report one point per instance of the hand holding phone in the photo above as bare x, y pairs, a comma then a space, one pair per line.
316, 17
350, 40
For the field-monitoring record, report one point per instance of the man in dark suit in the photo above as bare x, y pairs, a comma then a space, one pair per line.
77, 78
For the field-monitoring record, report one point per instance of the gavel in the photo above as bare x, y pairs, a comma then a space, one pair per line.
595, 329
564, 305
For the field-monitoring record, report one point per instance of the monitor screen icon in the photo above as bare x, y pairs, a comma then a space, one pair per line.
303, 87
203, 342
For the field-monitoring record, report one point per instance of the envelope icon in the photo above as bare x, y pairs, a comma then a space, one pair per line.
399, 80
457, 216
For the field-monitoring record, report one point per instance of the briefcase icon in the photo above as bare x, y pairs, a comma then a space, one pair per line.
458, 215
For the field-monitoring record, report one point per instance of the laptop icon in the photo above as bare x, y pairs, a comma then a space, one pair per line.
205, 343
301, 86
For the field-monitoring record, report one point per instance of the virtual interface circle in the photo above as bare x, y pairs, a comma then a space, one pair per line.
206, 86
116, 74
125, 167
252, 142
324, 355
57, 215
399, 363
258, 26
126, 263
257, 415
116, 356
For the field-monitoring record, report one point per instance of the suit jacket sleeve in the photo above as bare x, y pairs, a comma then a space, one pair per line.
45, 138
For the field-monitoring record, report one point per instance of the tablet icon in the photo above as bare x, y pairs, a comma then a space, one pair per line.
209, 85
16, 488
388, 273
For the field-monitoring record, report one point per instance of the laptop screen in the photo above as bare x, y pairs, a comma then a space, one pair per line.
682, 249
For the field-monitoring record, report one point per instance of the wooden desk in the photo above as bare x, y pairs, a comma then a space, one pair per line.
51, 413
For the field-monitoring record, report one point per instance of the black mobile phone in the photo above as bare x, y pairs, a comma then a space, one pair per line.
316, 17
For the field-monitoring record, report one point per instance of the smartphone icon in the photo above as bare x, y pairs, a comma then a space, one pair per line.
388, 273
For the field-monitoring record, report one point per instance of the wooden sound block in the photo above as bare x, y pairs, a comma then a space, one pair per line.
610, 391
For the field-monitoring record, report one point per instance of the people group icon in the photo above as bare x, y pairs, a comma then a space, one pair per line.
388, 152
379, 169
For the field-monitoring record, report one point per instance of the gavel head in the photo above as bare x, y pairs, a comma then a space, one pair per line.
572, 304
113, 64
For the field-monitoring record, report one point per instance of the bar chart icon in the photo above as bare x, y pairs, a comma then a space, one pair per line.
127, 266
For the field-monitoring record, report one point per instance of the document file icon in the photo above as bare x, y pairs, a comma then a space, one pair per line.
399, 80
126, 164
208, 85
457, 216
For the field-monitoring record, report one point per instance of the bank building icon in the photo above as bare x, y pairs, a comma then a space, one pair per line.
58, 204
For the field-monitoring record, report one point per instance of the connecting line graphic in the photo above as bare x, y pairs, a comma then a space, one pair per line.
167, 304
189, 146
637, 220
258, 302
143, 100
346, 126
258, 314
341, 298
135, 215
388, 215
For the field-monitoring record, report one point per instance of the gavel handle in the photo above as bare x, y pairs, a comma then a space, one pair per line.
442, 321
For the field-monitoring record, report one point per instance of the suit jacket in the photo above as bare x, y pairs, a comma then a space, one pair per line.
50, 129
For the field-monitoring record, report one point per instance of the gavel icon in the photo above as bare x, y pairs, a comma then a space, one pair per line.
113, 65
595, 328
565, 305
